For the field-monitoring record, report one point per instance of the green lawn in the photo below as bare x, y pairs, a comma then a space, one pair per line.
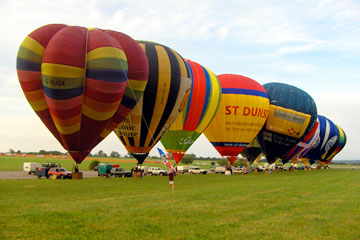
321, 204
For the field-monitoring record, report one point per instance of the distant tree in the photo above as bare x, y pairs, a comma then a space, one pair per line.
18, 151
188, 159
11, 151
93, 164
114, 154
240, 162
101, 154
42, 152
212, 163
223, 162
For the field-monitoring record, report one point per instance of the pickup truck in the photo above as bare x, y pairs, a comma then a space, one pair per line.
119, 172
196, 170
156, 171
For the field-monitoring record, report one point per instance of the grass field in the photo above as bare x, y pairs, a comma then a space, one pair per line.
321, 204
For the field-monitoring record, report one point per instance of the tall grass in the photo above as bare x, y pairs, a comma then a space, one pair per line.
288, 205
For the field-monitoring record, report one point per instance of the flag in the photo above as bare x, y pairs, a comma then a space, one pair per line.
165, 161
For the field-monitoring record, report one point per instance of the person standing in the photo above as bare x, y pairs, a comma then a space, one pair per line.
171, 180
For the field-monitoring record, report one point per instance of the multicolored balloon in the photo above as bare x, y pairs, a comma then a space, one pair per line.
331, 136
243, 109
291, 117
199, 111
165, 95
303, 146
338, 146
74, 78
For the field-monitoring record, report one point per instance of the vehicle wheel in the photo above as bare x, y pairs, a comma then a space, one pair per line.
112, 175
61, 176
123, 175
150, 174
161, 174
39, 176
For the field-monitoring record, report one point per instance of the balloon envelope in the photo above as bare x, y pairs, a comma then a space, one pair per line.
165, 95
292, 115
304, 145
252, 151
242, 112
332, 140
74, 78
338, 146
198, 112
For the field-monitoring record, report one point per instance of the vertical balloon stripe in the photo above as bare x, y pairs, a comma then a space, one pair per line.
213, 104
208, 90
162, 93
196, 103
149, 98
186, 111
172, 95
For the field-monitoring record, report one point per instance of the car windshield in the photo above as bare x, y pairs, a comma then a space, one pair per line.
61, 170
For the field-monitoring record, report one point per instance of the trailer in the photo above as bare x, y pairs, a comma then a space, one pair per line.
30, 167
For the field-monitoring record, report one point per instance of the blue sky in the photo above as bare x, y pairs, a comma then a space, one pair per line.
314, 45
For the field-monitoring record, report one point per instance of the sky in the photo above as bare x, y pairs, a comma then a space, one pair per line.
313, 45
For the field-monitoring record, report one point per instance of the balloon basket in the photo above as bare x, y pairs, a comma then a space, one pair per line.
77, 175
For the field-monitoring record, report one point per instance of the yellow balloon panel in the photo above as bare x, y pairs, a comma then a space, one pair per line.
286, 121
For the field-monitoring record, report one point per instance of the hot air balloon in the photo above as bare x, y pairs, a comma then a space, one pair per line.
338, 146
74, 78
164, 98
303, 146
327, 141
242, 112
292, 115
252, 151
198, 112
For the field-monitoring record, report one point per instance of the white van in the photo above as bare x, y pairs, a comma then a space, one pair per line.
30, 167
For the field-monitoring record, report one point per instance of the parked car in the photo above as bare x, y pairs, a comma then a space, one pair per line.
59, 173
182, 169
30, 167
157, 171
119, 172
241, 170
220, 169
196, 170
